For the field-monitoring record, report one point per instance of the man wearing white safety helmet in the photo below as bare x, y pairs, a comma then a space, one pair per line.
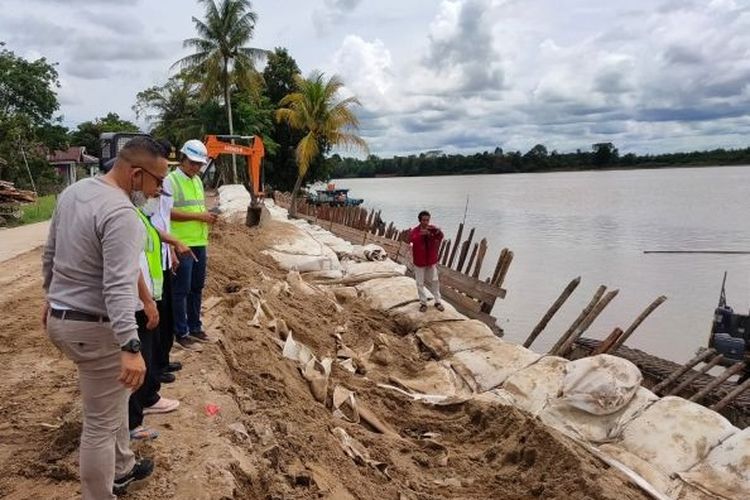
189, 224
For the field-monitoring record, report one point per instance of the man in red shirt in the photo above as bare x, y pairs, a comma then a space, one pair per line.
425, 244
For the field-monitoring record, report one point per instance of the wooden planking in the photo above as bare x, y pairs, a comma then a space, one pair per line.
480, 258
456, 244
457, 298
480, 290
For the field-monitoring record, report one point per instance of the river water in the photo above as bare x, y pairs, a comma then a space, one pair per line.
596, 225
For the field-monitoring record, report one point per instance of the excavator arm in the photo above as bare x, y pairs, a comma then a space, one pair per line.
253, 151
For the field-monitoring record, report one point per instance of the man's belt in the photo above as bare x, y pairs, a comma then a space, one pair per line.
78, 316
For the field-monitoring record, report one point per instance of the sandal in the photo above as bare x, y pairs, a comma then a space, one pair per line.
142, 433
423, 308
439, 307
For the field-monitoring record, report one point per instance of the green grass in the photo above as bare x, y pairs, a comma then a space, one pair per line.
39, 211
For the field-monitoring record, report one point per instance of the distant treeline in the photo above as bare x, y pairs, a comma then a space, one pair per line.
537, 159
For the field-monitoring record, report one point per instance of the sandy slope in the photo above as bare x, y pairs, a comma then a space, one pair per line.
272, 439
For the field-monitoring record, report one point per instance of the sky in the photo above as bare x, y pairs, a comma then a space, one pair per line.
463, 76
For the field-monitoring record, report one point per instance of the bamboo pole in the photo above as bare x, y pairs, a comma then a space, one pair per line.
713, 252
691, 378
682, 371
640, 319
594, 300
586, 323
551, 311
606, 344
731, 396
716, 382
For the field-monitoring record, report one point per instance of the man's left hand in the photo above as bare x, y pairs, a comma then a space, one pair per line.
152, 314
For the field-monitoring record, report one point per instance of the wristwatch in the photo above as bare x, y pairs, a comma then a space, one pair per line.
133, 346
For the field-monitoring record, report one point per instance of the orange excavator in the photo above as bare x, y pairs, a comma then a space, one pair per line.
251, 147
253, 152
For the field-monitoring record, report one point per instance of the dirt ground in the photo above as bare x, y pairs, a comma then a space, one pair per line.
271, 439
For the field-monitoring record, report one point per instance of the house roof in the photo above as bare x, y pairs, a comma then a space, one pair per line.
74, 154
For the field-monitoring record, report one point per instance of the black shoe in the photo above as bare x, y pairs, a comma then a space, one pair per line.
140, 471
189, 343
201, 337
167, 378
174, 366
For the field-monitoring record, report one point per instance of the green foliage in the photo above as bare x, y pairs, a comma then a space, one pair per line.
38, 211
602, 155
28, 102
324, 119
87, 133
27, 88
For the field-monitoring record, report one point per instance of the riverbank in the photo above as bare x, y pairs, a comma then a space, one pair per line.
271, 438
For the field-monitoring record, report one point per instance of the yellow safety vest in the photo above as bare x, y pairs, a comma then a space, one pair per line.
153, 256
188, 197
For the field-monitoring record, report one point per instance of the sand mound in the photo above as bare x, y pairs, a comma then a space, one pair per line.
272, 438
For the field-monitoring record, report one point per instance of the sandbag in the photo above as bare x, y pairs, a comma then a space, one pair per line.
486, 367
675, 434
303, 263
444, 339
532, 387
410, 318
601, 384
726, 469
385, 293
648, 471
233, 199
594, 428
384, 268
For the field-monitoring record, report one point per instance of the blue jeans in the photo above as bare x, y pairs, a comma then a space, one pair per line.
187, 287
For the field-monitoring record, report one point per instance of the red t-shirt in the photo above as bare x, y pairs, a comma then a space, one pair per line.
425, 248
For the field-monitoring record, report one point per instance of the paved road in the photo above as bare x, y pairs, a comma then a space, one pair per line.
22, 239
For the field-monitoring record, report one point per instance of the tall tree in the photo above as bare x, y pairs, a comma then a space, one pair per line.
87, 133
221, 56
325, 119
28, 102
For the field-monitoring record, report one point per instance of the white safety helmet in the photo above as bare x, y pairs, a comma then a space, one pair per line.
195, 150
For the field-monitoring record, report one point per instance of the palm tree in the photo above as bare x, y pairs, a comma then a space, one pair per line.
327, 121
221, 56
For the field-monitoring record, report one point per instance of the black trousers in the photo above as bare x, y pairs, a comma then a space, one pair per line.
147, 394
163, 345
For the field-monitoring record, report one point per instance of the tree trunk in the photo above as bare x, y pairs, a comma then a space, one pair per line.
295, 192
228, 104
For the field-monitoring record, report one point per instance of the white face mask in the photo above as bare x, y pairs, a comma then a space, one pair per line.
151, 206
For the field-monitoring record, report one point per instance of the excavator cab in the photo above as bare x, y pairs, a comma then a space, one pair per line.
111, 143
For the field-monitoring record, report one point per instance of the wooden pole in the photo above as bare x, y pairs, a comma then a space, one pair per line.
606, 344
464, 250
732, 395
551, 311
714, 252
594, 300
455, 244
586, 323
473, 256
682, 371
447, 253
691, 378
480, 258
645, 314
504, 270
732, 370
